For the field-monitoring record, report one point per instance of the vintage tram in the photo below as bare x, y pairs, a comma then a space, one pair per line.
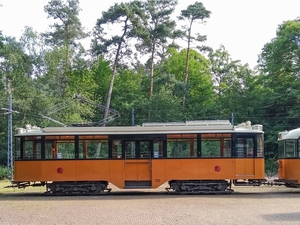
289, 158
192, 156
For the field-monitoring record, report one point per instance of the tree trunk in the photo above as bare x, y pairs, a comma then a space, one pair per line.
152, 70
114, 74
187, 61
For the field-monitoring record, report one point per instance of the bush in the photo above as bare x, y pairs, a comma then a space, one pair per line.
3, 172
271, 167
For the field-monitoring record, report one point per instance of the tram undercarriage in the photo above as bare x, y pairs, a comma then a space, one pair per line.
80, 187
200, 186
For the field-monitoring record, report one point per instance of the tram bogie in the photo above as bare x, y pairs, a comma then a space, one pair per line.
78, 187
200, 186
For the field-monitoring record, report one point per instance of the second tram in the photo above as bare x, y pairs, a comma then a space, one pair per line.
289, 158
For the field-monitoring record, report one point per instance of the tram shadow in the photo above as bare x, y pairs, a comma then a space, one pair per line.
159, 193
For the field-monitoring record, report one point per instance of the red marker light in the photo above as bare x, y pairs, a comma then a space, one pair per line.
217, 168
59, 170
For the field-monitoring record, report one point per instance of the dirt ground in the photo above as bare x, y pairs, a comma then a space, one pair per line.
247, 205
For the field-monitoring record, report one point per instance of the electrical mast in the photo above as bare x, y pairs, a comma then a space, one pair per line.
10, 167
9, 112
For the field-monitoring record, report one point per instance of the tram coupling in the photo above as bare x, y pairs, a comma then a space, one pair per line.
25, 185
249, 182
281, 182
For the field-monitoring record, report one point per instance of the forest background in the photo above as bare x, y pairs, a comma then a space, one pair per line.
140, 60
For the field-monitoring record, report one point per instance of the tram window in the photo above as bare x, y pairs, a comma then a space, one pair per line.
158, 149
181, 148
93, 149
65, 150
130, 149
116, 149
260, 146
210, 148
17, 154
144, 149
290, 148
227, 148
32, 150
245, 147
49, 151
250, 147
281, 151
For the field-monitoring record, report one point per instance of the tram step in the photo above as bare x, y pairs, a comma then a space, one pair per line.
137, 187
137, 184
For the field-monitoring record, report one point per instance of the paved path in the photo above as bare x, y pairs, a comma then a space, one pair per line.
247, 205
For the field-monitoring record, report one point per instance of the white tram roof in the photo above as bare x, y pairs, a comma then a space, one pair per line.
204, 126
292, 134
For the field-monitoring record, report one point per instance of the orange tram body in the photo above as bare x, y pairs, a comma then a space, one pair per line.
289, 158
193, 156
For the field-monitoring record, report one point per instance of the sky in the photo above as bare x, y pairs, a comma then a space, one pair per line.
242, 26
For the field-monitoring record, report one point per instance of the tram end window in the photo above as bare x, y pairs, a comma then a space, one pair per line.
290, 148
260, 146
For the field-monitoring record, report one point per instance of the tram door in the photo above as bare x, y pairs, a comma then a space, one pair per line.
137, 163
245, 153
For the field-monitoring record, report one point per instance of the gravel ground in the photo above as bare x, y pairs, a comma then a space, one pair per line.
247, 205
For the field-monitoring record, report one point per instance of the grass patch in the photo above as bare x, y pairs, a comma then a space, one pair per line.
4, 183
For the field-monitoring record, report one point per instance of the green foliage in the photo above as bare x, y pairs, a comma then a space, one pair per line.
279, 63
1, 40
68, 29
199, 91
162, 107
271, 166
281, 56
101, 73
194, 13
124, 15
3, 172
156, 31
63, 37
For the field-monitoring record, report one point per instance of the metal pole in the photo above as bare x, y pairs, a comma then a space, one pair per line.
132, 117
232, 119
9, 140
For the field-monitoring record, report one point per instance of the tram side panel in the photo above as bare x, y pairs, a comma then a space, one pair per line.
113, 171
207, 169
56, 170
27, 171
288, 169
216, 169
70, 170
260, 168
